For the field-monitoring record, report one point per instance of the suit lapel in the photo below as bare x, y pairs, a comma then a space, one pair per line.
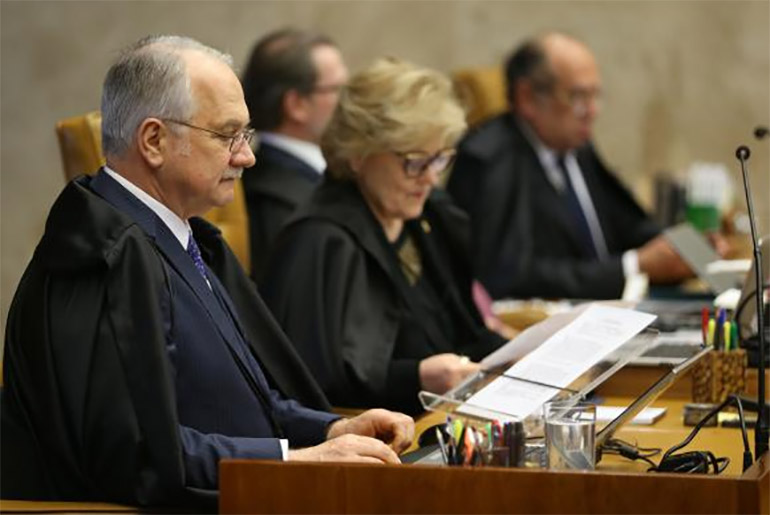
176, 256
544, 190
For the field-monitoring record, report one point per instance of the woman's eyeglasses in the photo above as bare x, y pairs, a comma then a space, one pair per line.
416, 164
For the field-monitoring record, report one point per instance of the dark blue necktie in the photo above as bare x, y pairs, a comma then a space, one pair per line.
576, 212
195, 254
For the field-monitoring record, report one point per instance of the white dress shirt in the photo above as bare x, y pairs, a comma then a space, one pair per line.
308, 153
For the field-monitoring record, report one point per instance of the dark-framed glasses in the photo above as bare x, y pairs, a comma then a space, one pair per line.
242, 137
579, 99
416, 164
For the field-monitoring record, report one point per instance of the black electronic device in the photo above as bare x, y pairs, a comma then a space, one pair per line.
762, 432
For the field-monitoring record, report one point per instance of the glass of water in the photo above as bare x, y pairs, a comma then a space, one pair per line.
570, 430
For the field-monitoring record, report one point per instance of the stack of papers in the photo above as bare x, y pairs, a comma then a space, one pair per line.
554, 352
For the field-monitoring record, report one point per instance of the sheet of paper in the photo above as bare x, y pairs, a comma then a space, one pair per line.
574, 348
530, 338
645, 417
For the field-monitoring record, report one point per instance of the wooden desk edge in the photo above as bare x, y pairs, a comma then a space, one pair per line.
270, 487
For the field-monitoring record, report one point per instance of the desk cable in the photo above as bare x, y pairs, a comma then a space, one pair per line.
704, 462
692, 462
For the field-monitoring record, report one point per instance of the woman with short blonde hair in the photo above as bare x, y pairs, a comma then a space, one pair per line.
370, 279
421, 103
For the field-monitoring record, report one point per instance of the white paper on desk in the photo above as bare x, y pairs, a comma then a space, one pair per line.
596, 332
530, 338
535, 335
645, 417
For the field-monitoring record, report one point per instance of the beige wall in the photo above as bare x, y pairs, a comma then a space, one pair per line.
685, 80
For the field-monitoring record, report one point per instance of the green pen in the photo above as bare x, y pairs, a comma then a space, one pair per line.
734, 336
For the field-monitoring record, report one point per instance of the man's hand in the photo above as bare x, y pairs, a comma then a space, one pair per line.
395, 429
442, 372
348, 448
661, 263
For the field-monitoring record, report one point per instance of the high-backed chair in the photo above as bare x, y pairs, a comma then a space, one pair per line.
80, 141
482, 90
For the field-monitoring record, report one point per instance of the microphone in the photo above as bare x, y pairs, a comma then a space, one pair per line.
762, 431
743, 153
761, 132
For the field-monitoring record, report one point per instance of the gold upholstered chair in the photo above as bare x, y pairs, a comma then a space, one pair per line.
482, 90
80, 142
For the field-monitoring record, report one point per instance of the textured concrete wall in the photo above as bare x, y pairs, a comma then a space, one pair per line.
685, 81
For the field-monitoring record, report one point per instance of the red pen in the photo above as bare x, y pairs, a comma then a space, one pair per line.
705, 324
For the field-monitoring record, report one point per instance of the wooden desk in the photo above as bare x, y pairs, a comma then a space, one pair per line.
269, 487
618, 485
12, 506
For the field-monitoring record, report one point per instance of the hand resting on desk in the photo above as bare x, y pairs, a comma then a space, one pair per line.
375, 436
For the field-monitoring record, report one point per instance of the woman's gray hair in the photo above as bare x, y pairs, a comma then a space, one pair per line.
149, 79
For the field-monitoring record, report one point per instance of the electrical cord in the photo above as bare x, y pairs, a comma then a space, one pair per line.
742, 304
704, 462
630, 451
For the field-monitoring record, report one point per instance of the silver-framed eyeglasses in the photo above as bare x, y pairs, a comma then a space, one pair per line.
416, 164
242, 137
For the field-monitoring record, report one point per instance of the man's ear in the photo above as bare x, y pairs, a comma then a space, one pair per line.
525, 98
152, 138
296, 106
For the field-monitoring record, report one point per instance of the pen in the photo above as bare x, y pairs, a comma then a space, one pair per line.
719, 336
712, 327
734, 338
728, 333
705, 324
442, 446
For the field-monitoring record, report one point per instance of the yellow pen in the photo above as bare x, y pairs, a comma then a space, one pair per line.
712, 328
728, 334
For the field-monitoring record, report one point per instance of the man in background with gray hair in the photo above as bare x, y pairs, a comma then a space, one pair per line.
138, 353
291, 84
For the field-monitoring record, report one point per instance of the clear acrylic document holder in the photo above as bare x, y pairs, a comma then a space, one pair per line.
453, 402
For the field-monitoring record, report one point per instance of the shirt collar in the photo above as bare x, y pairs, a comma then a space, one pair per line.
548, 157
308, 152
179, 228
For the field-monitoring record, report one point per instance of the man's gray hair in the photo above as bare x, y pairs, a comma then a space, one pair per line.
149, 79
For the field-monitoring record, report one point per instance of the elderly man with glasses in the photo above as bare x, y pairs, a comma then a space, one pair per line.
138, 353
548, 218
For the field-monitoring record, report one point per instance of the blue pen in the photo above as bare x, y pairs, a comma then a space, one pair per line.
719, 340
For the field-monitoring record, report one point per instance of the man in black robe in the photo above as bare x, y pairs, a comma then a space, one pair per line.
548, 218
291, 84
137, 352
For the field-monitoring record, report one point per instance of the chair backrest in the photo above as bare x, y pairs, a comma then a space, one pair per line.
80, 141
482, 90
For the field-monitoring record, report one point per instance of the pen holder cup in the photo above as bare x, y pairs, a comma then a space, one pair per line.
497, 457
508, 449
719, 374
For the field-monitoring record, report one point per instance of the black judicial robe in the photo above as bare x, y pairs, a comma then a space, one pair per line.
335, 285
525, 242
89, 404
273, 188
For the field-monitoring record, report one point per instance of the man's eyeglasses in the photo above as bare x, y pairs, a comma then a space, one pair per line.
578, 99
242, 137
416, 164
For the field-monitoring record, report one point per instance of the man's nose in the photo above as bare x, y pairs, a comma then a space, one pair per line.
243, 157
